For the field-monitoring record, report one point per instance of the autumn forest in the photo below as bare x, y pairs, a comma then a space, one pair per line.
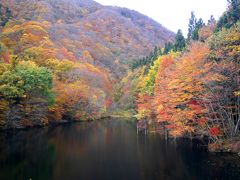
66, 61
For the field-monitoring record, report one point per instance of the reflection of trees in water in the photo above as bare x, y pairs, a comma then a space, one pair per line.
103, 148
25, 155
226, 166
168, 164
177, 159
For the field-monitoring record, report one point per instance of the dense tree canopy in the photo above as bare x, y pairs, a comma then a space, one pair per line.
231, 16
196, 91
24, 79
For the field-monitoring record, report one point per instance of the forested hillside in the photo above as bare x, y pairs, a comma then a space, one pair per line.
60, 59
193, 90
110, 36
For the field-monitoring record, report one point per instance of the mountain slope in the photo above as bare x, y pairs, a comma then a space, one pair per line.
110, 36
61, 59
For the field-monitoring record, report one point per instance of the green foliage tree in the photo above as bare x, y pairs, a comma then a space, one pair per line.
168, 47
155, 52
148, 60
211, 21
180, 42
195, 33
25, 94
191, 25
235, 10
231, 16
24, 79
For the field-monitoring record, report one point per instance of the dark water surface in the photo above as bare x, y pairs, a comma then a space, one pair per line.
108, 149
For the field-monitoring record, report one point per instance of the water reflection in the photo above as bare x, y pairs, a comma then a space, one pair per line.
108, 149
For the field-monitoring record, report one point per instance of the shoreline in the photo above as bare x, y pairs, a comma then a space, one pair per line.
228, 146
51, 124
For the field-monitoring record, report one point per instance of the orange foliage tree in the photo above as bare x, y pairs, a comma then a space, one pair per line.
179, 89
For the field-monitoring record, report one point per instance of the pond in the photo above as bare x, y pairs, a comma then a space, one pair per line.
107, 149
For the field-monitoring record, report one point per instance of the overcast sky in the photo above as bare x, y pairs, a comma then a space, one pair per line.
173, 14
